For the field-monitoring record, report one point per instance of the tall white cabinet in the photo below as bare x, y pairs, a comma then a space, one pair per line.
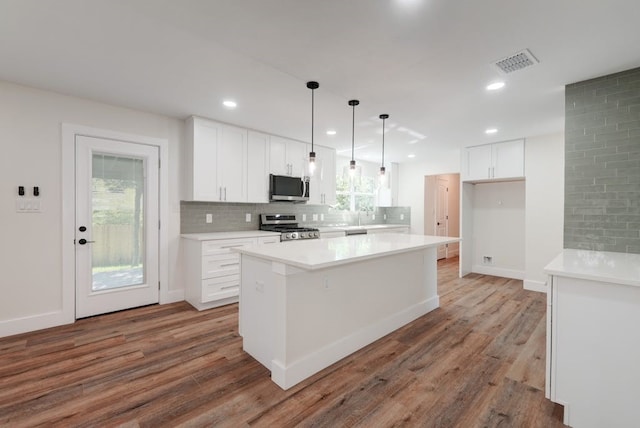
489, 168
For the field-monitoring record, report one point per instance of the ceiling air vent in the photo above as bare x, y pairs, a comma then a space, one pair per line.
516, 62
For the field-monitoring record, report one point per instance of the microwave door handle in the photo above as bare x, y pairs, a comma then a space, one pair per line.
304, 187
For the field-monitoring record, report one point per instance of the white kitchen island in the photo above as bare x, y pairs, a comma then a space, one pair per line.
306, 304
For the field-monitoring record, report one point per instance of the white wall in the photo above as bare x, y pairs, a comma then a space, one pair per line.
544, 166
498, 222
411, 182
30, 249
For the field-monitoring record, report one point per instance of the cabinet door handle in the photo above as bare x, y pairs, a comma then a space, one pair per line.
225, 193
493, 172
220, 198
228, 286
489, 172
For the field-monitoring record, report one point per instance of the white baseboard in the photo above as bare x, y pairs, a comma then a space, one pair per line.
535, 285
33, 323
171, 296
496, 271
293, 373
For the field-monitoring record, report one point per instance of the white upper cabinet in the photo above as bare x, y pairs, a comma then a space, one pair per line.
232, 164
287, 157
258, 168
494, 162
216, 155
322, 189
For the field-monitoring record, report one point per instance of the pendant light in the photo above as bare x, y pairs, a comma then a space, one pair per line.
312, 155
352, 164
382, 168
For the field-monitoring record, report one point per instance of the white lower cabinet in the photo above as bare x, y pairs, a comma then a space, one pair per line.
213, 270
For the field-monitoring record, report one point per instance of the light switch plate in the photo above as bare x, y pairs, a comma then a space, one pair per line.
304, 217
401, 216
247, 217
209, 218
315, 217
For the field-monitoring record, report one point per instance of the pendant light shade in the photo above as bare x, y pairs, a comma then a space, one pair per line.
352, 164
312, 154
382, 168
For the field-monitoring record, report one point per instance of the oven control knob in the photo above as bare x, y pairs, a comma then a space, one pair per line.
294, 235
316, 234
303, 235
287, 236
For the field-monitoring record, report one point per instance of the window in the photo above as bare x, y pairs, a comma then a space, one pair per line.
355, 193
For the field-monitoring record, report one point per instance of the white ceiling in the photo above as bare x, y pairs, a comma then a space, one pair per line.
424, 62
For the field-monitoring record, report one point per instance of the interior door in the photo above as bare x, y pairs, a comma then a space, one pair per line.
441, 227
116, 225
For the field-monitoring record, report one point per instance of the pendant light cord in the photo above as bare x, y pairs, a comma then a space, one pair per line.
353, 124
383, 142
312, 100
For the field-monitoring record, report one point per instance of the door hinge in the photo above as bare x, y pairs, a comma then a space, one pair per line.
158, 285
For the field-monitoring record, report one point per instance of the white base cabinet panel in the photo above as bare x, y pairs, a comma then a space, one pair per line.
593, 349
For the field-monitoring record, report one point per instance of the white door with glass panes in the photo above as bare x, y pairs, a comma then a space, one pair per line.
117, 225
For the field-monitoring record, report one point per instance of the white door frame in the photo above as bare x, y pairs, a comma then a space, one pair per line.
69, 132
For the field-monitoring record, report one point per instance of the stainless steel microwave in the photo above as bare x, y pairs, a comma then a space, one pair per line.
285, 188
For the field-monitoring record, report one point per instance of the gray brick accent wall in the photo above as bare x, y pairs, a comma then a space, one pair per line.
602, 163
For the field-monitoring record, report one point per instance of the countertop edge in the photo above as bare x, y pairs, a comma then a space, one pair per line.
207, 236
558, 267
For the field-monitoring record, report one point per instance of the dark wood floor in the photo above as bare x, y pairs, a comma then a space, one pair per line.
476, 361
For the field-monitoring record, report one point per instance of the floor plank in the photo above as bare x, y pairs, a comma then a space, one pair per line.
478, 360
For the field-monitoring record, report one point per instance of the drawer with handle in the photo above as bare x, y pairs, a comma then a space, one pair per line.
220, 288
220, 265
223, 246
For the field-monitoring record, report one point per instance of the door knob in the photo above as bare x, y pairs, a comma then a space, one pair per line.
84, 241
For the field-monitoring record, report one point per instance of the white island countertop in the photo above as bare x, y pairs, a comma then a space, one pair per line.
602, 266
314, 254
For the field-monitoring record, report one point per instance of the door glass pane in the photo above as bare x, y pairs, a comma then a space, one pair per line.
117, 222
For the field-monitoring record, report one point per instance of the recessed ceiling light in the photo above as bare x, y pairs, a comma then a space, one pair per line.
229, 104
331, 132
495, 86
412, 142
411, 156
491, 131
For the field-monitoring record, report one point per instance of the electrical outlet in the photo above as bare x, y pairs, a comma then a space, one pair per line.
401, 216
384, 216
247, 217
373, 216
315, 217
322, 217
209, 218
304, 217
